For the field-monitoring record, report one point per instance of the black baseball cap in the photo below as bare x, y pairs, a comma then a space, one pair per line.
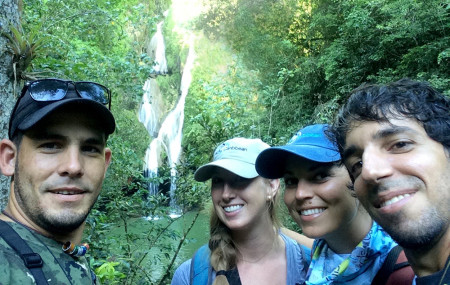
28, 112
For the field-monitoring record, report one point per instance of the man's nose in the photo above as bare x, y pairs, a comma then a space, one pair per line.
375, 165
71, 163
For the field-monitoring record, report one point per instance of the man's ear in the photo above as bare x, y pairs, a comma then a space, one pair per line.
8, 152
108, 155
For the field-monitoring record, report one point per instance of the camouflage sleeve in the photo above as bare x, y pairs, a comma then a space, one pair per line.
12, 268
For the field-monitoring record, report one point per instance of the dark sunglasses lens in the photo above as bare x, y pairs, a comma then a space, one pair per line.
48, 90
93, 91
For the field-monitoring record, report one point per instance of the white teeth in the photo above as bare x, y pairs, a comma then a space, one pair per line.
393, 200
312, 211
232, 208
65, 193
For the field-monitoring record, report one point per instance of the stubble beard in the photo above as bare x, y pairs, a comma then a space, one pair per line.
419, 234
62, 223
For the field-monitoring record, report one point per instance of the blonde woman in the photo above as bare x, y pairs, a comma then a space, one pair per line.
246, 245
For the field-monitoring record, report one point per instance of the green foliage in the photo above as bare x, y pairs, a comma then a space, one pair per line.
107, 271
105, 41
224, 107
98, 41
328, 47
24, 48
128, 147
190, 194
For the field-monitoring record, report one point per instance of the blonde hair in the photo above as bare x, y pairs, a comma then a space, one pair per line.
223, 249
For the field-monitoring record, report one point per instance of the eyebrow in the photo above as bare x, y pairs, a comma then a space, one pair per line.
393, 130
96, 140
381, 134
43, 135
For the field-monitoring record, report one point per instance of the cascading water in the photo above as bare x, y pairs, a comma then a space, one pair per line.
172, 127
150, 112
152, 160
168, 136
157, 51
152, 106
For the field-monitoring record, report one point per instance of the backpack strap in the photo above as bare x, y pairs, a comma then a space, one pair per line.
200, 266
32, 260
395, 269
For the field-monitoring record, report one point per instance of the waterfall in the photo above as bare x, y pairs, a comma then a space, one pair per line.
166, 137
157, 51
152, 107
172, 127
152, 160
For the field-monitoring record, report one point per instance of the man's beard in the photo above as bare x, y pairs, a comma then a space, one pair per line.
62, 223
419, 234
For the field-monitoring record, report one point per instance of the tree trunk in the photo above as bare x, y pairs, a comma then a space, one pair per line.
9, 15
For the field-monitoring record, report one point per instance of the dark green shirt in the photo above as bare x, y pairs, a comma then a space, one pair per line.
58, 268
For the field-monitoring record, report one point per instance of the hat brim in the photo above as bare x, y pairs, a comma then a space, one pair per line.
240, 168
271, 163
96, 110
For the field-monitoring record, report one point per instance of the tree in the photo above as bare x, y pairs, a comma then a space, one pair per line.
9, 17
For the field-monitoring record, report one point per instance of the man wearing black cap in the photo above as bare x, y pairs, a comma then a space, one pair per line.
57, 158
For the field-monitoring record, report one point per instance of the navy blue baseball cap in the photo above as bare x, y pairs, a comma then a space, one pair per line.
310, 143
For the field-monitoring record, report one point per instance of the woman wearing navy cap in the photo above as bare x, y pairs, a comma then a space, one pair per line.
349, 248
246, 245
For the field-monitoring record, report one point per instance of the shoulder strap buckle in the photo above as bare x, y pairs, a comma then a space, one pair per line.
32, 260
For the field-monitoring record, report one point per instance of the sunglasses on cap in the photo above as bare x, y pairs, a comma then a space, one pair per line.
40, 96
56, 89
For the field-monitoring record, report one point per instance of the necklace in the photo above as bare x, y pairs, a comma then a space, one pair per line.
75, 250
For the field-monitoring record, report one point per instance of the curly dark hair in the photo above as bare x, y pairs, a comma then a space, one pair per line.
401, 99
